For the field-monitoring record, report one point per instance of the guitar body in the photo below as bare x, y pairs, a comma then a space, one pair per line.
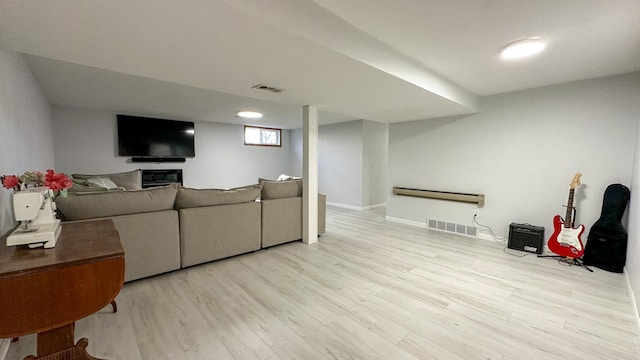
566, 241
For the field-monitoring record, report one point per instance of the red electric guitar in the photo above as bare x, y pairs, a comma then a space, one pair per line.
565, 240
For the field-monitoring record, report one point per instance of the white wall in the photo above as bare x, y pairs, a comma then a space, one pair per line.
25, 128
374, 163
296, 152
86, 142
340, 162
26, 141
352, 162
521, 151
632, 267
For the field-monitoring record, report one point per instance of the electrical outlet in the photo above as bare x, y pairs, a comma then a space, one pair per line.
476, 212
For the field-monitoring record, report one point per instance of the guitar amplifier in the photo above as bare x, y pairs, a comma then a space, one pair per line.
525, 237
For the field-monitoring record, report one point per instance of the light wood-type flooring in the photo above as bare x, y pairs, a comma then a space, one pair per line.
369, 289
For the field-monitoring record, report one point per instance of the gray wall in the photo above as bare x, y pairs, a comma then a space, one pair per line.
296, 152
352, 162
521, 151
340, 162
86, 142
25, 128
25, 133
374, 163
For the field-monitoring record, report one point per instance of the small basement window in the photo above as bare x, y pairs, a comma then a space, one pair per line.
262, 136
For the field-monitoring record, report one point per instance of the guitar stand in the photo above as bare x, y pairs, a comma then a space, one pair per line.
568, 260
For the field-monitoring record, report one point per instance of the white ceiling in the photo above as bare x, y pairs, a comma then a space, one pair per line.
381, 60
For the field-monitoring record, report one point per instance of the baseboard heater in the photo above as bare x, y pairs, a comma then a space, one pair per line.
441, 195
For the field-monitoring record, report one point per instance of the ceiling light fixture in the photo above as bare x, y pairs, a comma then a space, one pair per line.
523, 48
249, 114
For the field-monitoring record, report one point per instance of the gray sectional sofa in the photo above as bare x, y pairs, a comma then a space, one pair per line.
171, 227
282, 211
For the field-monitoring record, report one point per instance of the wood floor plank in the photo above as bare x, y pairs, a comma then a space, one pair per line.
368, 341
322, 339
425, 348
113, 328
153, 331
210, 294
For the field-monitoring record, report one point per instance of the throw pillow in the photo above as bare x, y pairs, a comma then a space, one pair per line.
102, 182
80, 185
130, 180
284, 177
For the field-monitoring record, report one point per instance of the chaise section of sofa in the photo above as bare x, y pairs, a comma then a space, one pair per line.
282, 212
146, 222
215, 224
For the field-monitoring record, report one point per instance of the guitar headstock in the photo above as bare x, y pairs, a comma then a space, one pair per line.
575, 181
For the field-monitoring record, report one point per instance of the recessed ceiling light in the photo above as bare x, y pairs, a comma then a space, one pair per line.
249, 114
523, 48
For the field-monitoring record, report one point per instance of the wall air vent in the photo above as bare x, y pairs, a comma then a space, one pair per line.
267, 88
452, 227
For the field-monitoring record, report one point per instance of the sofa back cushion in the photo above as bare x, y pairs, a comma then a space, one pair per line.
130, 180
190, 198
280, 189
78, 206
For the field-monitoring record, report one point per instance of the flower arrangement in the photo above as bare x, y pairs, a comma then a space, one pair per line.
58, 182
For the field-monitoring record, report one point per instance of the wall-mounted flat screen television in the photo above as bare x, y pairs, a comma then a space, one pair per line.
150, 137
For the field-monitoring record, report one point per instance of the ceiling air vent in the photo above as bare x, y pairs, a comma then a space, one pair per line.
267, 88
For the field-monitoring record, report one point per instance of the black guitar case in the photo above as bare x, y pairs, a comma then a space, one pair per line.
606, 246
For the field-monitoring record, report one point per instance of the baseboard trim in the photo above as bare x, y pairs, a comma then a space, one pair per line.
485, 237
405, 221
358, 208
634, 303
4, 348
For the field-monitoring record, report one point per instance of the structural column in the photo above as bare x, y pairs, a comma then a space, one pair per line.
310, 174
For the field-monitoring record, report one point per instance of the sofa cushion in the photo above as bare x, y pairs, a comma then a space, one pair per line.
189, 198
280, 189
216, 232
78, 206
130, 180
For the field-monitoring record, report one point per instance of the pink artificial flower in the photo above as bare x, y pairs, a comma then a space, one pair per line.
66, 183
56, 181
10, 181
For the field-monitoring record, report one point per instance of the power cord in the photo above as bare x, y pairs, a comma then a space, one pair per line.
504, 249
495, 237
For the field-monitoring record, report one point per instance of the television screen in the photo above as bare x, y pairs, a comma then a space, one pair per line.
141, 136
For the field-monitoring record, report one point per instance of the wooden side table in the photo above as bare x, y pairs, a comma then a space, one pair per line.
45, 291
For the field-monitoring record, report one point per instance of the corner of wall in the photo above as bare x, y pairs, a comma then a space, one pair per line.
634, 302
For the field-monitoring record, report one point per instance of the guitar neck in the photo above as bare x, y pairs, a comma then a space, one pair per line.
568, 223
